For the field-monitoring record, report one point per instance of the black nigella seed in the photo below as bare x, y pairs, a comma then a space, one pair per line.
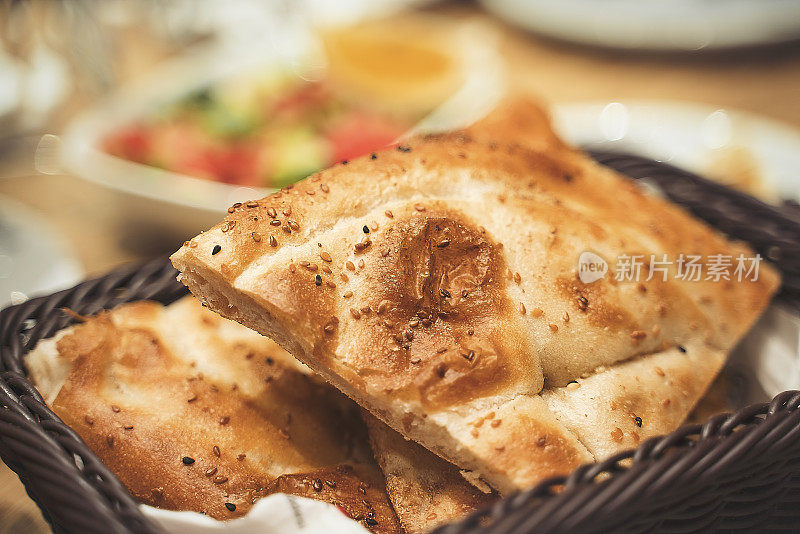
345, 162
370, 521
638, 421
230, 506
366, 229
270, 361
187, 460
682, 349
403, 148
373, 156
215, 250
318, 280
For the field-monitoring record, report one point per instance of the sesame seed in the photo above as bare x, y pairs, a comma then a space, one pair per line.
565, 317
330, 284
347, 294
115, 408
638, 335
211, 471
252, 204
219, 479
521, 308
553, 327
256, 237
361, 263
272, 241
216, 451
324, 188
419, 207
355, 313
496, 423
317, 484
445, 293
287, 210
616, 434
216, 250
389, 214
294, 225
583, 303
443, 244
275, 222
542, 441
241, 457
187, 460
370, 521
659, 371
537, 312
230, 506
325, 256
89, 420
272, 213
224, 420
349, 266
110, 440
573, 384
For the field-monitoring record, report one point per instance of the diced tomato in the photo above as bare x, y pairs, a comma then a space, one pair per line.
233, 165
356, 135
132, 142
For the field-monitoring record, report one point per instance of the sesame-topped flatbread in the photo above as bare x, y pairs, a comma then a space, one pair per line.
425, 490
436, 283
195, 412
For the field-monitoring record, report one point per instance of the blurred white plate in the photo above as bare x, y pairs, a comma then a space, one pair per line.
33, 259
706, 140
81, 152
674, 25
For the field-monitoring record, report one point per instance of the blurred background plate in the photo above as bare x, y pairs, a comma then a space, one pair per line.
34, 260
677, 25
757, 155
479, 85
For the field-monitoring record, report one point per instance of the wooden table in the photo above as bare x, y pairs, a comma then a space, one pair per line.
764, 81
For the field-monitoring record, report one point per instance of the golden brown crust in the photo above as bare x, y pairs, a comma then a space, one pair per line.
312, 278
192, 411
425, 490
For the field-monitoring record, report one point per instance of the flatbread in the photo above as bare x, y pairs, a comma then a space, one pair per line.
436, 283
425, 490
194, 412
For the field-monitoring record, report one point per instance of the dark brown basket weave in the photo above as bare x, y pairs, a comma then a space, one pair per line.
735, 472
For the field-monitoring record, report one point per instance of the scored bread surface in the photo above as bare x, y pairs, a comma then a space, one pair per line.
436, 284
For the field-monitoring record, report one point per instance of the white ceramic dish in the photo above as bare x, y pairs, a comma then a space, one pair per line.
34, 259
82, 155
703, 139
678, 25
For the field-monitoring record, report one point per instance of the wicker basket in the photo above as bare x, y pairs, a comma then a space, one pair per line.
735, 472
